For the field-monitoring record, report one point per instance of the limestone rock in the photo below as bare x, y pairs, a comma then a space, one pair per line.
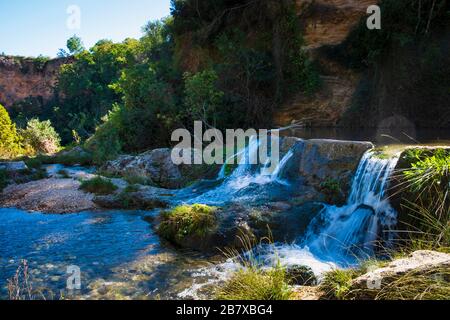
417, 262
156, 166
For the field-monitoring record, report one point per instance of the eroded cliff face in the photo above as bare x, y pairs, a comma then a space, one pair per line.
326, 23
21, 78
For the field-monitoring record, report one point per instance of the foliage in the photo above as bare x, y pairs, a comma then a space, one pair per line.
9, 139
105, 144
183, 221
86, 86
132, 188
427, 198
255, 49
429, 174
332, 189
74, 45
202, 98
41, 137
257, 284
40, 62
336, 284
433, 284
408, 56
99, 186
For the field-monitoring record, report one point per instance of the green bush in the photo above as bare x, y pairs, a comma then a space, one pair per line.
183, 221
257, 284
99, 186
9, 139
41, 137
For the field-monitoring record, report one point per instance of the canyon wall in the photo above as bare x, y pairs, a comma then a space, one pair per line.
21, 78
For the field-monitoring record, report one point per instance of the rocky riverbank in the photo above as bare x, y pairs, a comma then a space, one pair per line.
57, 196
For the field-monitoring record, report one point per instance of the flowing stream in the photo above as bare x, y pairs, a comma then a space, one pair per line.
120, 256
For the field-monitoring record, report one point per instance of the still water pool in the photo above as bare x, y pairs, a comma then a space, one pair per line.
117, 252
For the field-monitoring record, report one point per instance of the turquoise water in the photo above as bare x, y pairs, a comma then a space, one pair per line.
100, 243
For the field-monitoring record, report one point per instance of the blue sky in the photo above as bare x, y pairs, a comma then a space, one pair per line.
34, 27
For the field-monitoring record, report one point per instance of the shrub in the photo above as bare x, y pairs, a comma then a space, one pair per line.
99, 186
41, 136
257, 284
9, 139
106, 145
183, 221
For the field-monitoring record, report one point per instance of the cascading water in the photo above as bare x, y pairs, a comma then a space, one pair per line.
247, 173
350, 232
339, 236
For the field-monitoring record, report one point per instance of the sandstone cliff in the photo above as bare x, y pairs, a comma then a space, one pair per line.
325, 23
21, 78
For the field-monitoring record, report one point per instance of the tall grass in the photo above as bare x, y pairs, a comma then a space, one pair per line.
427, 198
253, 280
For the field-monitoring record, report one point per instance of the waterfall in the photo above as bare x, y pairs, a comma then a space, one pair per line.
246, 174
350, 232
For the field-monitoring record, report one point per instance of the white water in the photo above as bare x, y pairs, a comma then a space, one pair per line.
340, 236
350, 232
246, 174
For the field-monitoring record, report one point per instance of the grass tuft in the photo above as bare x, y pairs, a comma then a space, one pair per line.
336, 284
183, 221
99, 186
257, 284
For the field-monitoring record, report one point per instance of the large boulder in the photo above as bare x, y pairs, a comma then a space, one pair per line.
331, 161
236, 224
154, 166
419, 263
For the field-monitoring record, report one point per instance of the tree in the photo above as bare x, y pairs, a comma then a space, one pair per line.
74, 45
9, 139
202, 98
